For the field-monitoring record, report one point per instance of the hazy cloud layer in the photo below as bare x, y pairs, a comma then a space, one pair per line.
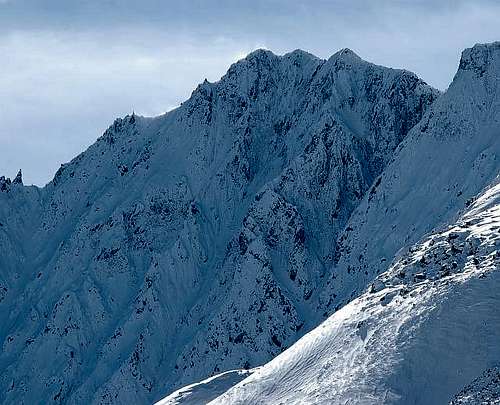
68, 68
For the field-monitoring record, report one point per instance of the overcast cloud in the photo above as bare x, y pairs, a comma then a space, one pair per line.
68, 68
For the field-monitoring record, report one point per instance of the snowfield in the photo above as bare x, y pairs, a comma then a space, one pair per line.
206, 390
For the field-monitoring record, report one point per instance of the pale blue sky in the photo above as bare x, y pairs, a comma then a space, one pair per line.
68, 68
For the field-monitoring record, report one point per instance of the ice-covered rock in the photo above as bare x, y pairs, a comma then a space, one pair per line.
485, 389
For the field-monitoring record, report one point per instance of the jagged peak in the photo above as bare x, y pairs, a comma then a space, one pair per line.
265, 55
4, 183
346, 55
260, 53
300, 54
255, 58
345, 58
19, 178
270, 59
205, 84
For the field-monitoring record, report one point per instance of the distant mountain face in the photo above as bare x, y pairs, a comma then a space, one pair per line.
213, 237
195, 242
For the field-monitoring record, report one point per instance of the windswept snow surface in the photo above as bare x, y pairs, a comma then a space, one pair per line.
423, 330
203, 392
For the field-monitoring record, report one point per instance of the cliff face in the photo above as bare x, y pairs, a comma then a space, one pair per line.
199, 241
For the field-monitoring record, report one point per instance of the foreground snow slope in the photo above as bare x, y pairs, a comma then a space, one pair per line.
206, 390
426, 327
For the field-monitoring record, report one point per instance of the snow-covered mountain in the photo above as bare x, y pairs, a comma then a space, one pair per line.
428, 325
195, 242
213, 237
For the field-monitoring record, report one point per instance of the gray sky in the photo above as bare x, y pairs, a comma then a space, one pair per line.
69, 67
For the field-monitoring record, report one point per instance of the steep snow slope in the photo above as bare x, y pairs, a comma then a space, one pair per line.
424, 329
195, 242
